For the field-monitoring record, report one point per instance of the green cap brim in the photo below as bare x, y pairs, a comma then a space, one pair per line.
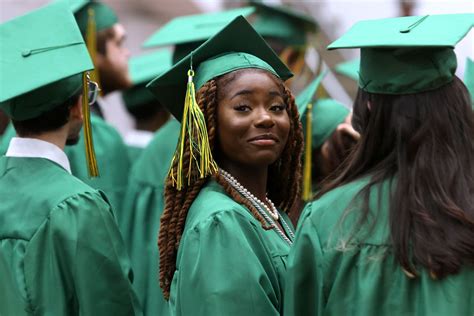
41, 71
349, 69
408, 54
307, 95
145, 67
194, 28
238, 39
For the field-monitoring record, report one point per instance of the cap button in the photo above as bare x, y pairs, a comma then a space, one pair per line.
26, 53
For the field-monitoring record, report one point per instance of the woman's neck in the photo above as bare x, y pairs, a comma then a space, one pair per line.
253, 179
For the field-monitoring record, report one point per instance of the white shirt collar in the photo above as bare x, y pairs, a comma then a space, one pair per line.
35, 148
138, 138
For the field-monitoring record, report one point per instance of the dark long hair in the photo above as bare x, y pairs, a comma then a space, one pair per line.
425, 142
284, 177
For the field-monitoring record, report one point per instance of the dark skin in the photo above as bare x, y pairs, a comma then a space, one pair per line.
252, 128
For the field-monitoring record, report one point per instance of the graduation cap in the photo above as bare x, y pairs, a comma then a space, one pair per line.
103, 16
283, 23
320, 118
41, 71
469, 78
236, 46
92, 16
187, 33
349, 69
408, 54
142, 69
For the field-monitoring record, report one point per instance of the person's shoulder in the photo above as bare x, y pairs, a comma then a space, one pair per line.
213, 205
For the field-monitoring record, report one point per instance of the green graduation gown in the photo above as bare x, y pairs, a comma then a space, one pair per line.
329, 276
60, 249
112, 158
227, 264
140, 220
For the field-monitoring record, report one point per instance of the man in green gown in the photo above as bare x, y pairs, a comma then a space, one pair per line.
61, 252
99, 24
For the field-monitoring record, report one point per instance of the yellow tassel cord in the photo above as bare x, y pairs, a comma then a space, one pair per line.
307, 180
91, 42
193, 125
91, 161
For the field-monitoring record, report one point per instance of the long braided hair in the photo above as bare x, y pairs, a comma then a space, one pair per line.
284, 177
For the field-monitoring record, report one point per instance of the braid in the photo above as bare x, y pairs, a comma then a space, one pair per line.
177, 203
284, 177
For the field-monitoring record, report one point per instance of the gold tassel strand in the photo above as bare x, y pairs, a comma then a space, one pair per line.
307, 179
91, 160
91, 42
193, 125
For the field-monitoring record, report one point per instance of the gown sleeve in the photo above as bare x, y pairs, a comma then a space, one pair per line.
88, 254
304, 290
224, 269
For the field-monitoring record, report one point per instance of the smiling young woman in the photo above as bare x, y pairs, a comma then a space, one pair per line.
224, 235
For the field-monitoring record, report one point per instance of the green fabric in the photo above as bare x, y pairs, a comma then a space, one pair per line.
105, 17
469, 78
142, 69
61, 252
349, 69
328, 276
137, 96
112, 158
327, 115
225, 63
194, 28
408, 54
8, 134
227, 264
283, 23
40, 71
139, 222
182, 50
134, 153
237, 37
307, 96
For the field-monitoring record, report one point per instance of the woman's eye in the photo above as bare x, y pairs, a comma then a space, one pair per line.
242, 108
278, 107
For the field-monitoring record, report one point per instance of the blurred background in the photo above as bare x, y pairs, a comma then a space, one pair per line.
142, 17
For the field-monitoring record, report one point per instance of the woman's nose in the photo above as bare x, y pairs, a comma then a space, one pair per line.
264, 119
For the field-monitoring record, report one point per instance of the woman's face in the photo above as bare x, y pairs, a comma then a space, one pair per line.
252, 119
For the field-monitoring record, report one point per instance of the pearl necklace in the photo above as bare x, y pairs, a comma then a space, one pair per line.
263, 209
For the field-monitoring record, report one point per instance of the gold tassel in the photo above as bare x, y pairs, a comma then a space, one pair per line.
307, 179
193, 125
91, 161
91, 42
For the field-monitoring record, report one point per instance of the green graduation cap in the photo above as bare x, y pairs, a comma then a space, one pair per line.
142, 69
103, 16
469, 78
283, 23
236, 46
320, 119
408, 54
349, 69
41, 71
187, 33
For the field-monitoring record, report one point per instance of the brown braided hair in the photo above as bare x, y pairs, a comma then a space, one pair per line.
284, 179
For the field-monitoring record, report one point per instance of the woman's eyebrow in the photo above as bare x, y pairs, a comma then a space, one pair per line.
241, 92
